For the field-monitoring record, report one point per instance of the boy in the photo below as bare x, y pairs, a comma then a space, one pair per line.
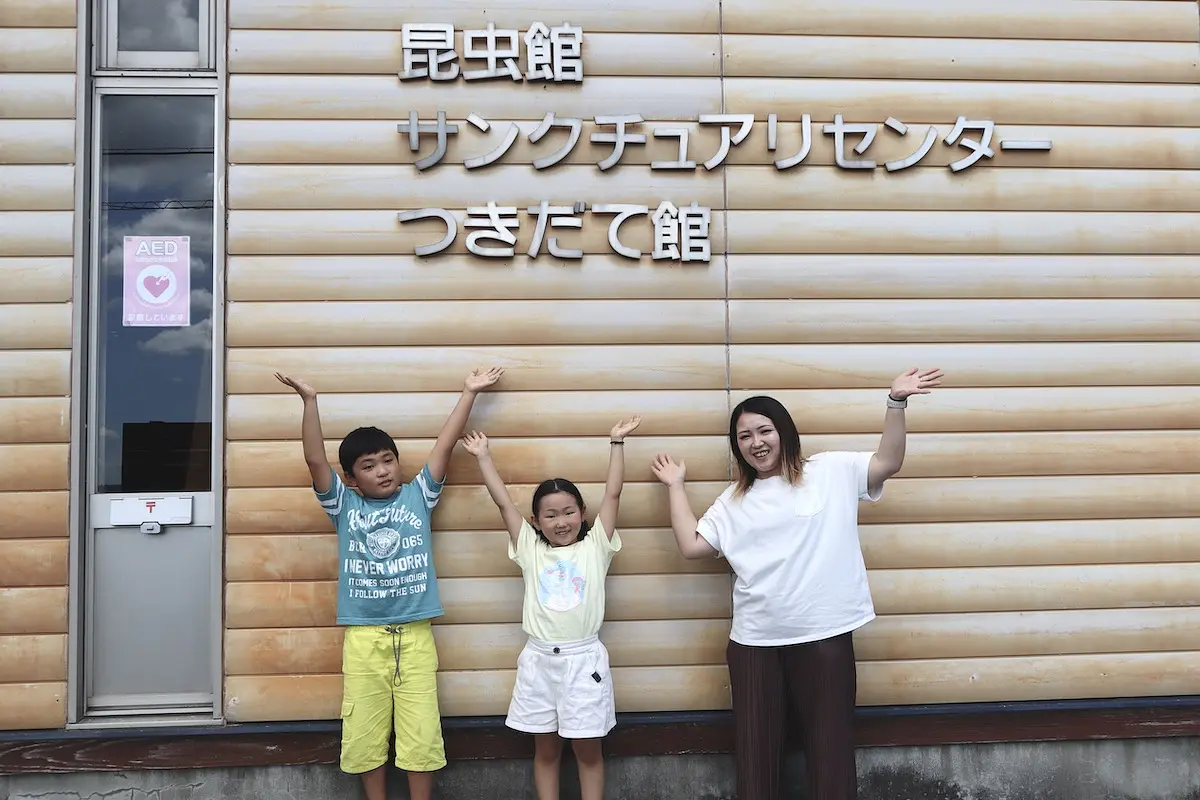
387, 591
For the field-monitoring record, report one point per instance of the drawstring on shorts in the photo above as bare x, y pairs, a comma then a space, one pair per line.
395, 631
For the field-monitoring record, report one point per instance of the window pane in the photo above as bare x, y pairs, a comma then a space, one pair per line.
154, 305
158, 25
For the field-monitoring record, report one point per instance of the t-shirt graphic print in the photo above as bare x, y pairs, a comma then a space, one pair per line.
385, 560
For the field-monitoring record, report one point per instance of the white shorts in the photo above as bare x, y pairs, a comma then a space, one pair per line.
563, 688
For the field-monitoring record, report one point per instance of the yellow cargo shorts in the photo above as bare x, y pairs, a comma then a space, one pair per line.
389, 678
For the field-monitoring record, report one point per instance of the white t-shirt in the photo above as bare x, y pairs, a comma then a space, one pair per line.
795, 551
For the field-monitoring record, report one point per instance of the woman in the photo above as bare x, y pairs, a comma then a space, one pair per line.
788, 526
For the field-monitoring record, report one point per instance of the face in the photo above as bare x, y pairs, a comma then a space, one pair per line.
377, 474
758, 442
559, 518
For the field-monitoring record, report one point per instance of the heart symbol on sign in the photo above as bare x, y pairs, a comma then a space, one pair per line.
156, 284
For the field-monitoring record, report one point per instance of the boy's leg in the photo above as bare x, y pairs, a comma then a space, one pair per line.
420, 750
366, 707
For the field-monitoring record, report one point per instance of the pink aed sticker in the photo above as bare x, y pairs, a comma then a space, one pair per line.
158, 288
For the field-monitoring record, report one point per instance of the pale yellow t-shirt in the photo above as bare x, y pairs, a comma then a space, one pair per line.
564, 586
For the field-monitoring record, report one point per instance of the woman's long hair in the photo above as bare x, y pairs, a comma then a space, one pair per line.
790, 459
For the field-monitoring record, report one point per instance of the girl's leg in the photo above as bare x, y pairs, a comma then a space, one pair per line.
589, 758
547, 759
756, 681
822, 689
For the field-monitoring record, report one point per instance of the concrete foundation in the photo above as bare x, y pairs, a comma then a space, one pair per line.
1146, 769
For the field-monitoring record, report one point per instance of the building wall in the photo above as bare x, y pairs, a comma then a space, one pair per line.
1040, 542
37, 184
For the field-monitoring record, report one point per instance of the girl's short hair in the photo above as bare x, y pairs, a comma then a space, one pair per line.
791, 460
554, 486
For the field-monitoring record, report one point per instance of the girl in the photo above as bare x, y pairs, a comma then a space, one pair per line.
563, 688
789, 529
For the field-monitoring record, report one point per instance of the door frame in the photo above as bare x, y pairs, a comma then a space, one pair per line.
86, 256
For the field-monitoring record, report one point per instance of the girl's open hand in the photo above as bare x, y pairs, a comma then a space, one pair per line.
476, 444
624, 428
667, 470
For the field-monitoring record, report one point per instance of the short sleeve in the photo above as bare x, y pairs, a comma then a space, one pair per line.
431, 490
855, 468
522, 553
606, 546
717, 523
332, 500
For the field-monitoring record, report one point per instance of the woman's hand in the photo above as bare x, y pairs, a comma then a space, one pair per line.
667, 470
916, 381
476, 444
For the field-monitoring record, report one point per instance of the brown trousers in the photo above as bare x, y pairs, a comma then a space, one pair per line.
816, 682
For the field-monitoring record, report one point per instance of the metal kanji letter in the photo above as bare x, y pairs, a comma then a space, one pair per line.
554, 54
428, 46
427, 213
908, 161
623, 211
978, 149
500, 61
415, 128
548, 122
681, 235
745, 123
500, 149
500, 223
682, 161
805, 141
619, 139
559, 217
839, 129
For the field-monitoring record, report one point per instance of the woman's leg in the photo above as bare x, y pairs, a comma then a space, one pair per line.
589, 758
822, 687
547, 760
757, 684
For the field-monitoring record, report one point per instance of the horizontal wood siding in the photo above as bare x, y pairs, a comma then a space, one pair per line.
1042, 541
37, 198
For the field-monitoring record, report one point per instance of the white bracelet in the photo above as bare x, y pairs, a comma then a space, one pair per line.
894, 403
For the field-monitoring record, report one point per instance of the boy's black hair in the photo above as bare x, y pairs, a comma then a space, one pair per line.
553, 486
363, 442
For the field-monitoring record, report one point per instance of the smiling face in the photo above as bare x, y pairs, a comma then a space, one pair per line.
376, 475
559, 517
758, 442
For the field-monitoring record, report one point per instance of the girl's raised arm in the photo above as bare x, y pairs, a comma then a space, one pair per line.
477, 445
616, 474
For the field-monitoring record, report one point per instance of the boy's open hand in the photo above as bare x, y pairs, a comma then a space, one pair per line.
301, 388
667, 470
481, 379
624, 428
476, 444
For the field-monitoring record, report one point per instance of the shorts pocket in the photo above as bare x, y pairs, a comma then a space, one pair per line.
347, 708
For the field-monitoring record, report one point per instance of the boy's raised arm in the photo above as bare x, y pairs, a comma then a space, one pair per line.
311, 435
439, 458
476, 444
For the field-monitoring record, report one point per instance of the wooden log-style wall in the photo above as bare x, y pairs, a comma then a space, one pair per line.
37, 185
1043, 540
